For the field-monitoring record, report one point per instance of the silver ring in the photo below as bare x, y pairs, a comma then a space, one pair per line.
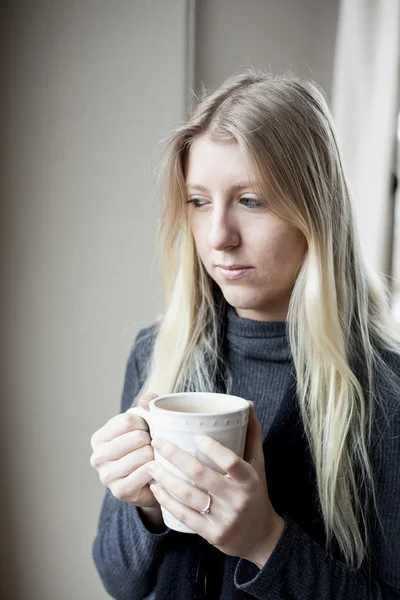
206, 510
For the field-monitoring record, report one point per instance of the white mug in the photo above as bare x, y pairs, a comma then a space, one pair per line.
180, 417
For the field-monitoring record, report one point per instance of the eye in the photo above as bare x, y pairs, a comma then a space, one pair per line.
197, 202
251, 202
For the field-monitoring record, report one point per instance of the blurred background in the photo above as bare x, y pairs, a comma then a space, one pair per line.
89, 91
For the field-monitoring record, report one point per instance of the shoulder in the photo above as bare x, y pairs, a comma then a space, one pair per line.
137, 364
143, 344
388, 375
146, 336
385, 430
387, 387
392, 361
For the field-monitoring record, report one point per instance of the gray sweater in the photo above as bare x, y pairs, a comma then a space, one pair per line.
133, 562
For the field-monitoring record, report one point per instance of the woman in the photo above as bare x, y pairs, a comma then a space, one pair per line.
268, 297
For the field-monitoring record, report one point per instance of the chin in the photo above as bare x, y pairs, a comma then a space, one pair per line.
242, 299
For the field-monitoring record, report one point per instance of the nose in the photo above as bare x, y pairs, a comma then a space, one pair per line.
224, 232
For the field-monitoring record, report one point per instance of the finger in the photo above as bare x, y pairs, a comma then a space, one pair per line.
235, 467
117, 469
117, 426
129, 488
119, 447
186, 515
198, 473
145, 400
253, 451
178, 487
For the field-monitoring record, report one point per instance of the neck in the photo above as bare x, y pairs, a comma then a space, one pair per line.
271, 313
257, 339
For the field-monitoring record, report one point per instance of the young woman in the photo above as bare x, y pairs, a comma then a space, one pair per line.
268, 297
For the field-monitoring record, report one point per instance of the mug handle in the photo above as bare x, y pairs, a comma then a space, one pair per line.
142, 412
145, 414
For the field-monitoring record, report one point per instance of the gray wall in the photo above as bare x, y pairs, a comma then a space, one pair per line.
91, 87
268, 34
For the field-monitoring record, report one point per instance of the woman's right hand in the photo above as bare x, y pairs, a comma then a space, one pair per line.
121, 451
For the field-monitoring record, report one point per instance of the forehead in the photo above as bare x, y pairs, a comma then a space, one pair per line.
217, 164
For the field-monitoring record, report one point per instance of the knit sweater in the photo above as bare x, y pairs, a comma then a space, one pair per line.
134, 562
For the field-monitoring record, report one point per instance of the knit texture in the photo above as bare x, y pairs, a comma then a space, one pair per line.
132, 561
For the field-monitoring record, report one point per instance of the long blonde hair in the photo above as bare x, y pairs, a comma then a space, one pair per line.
338, 312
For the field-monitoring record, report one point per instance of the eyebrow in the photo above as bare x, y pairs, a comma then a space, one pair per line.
238, 186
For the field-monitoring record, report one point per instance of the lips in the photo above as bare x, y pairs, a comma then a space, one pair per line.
234, 272
234, 267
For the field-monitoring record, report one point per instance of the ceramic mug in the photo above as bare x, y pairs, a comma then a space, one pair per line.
180, 417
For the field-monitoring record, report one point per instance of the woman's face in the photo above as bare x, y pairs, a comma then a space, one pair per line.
232, 226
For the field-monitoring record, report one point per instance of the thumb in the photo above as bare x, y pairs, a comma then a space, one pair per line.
145, 400
253, 452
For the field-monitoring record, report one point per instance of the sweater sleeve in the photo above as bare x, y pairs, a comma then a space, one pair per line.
299, 568
126, 554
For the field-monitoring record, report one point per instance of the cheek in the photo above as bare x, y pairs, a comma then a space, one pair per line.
199, 233
293, 249
282, 249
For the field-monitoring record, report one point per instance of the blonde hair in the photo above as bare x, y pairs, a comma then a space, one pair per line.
338, 313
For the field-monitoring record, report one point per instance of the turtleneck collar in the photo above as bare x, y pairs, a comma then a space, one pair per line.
263, 340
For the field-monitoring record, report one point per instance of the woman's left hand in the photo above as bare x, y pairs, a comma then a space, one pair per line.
242, 521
